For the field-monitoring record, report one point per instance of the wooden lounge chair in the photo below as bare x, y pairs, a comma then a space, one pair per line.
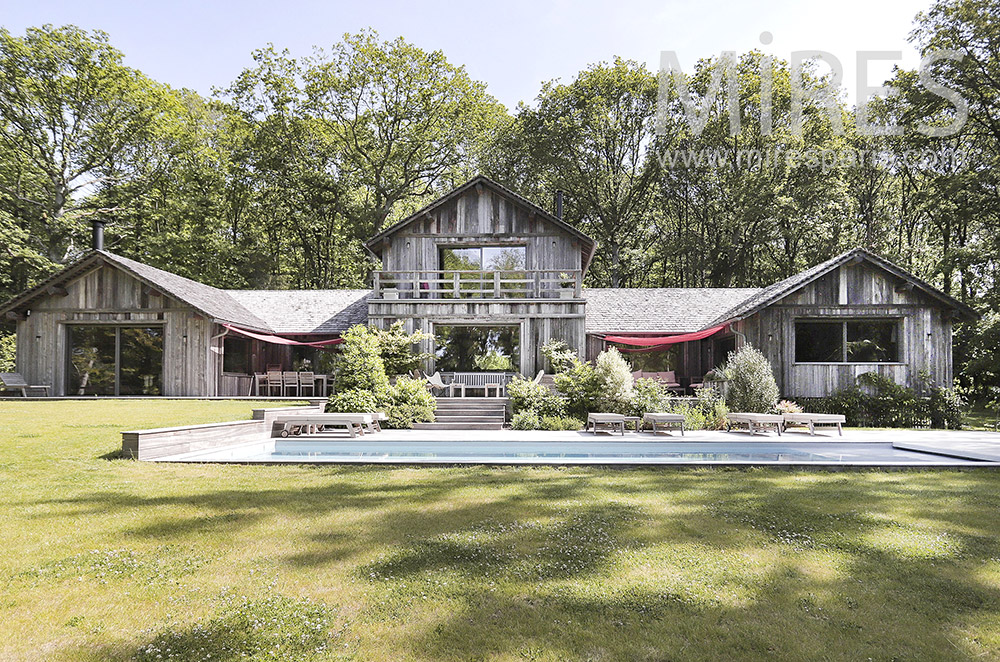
607, 421
13, 381
353, 423
812, 421
664, 420
754, 422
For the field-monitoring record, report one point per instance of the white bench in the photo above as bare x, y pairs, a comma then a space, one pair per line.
664, 420
612, 421
812, 421
353, 424
754, 422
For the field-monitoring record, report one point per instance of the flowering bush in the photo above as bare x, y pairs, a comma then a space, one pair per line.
525, 420
526, 395
409, 403
751, 387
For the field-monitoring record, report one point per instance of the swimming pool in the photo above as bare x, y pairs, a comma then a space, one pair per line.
598, 452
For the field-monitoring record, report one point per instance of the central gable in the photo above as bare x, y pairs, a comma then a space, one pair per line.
482, 212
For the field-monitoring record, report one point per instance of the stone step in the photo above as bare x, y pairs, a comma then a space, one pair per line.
457, 426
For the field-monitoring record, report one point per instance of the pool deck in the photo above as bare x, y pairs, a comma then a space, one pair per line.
856, 448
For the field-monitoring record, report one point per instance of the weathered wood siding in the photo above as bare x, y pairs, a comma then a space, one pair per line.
106, 295
854, 292
482, 217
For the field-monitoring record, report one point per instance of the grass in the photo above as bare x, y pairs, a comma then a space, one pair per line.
111, 559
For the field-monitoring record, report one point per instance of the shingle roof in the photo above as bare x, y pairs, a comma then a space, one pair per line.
211, 301
306, 311
659, 310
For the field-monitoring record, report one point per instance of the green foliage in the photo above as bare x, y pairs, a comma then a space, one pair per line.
359, 364
525, 420
877, 401
397, 348
615, 375
788, 407
554, 423
8, 352
526, 395
559, 355
409, 403
493, 360
752, 387
707, 412
354, 400
582, 387
649, 396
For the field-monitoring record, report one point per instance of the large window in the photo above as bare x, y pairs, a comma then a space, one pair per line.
115, 360
849, 341
483, 258
477, 348
236, 355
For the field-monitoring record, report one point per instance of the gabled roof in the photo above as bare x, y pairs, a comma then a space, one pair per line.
306, 311
277, 311
783, 288
658, 310
590, 245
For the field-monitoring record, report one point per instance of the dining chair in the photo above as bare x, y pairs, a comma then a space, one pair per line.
307, 380
273, 381
290, 381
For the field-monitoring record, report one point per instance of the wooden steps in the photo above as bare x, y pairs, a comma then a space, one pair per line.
467, 414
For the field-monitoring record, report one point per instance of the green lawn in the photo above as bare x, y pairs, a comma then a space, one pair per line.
110, 559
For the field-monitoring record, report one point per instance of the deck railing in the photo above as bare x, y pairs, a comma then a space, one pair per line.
465, 284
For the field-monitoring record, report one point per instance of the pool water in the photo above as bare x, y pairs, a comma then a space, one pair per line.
365, 450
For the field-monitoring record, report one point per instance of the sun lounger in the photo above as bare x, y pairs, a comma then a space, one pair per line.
754, 422
353, 424
664, 421
607, 421
13, 381
812, 421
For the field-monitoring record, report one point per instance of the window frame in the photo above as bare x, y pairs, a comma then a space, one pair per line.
118, 326
844, 321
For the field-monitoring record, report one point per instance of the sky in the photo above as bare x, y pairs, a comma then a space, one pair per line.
512, 46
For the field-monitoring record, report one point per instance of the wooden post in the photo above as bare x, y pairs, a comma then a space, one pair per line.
456, 285
578, 284
496, 284
376, 284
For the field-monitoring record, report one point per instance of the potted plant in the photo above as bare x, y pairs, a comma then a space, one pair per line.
567, 286
390, 293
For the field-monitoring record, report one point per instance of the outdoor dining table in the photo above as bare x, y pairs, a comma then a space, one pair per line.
321, 380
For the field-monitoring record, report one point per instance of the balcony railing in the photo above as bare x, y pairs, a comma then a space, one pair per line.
444, 284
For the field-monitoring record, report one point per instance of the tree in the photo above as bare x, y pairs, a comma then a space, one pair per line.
406, 119
70, 113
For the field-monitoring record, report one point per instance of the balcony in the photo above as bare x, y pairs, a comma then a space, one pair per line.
537, 284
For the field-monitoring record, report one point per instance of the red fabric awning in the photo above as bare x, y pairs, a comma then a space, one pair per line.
278, 340
655, 342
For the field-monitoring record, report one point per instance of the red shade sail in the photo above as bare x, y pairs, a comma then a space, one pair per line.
278, 340
655, 342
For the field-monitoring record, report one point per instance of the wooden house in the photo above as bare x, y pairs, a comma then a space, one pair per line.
493, 277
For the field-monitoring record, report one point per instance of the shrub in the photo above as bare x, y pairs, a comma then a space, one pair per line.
396, 348
582, 388
751, 387
560, 423
525, 394
359, 364
788, 407
649, 395
354, 400
713, 408
493, 360
525, 420
877, 401
615, 375
409, 403
8, 352
559, 354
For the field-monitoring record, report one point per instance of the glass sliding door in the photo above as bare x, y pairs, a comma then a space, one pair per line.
115, 360
477, 348
92, 360
140, 369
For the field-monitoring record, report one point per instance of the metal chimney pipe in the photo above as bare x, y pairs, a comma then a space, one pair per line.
559, 204
97, 236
